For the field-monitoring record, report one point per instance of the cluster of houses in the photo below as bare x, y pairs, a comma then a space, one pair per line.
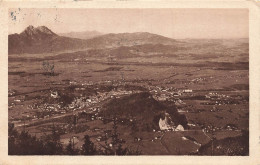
212, 129
215, 95
80, 102
105, 135
221, 99
164, 93
199, 79
47, 109
11, 92
16, 101
231, 127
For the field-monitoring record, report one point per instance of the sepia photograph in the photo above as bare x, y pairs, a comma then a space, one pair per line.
128, 81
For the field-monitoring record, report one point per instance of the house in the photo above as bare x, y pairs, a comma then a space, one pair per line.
179, 128
187, 90
101, 138
137, 139
162, 97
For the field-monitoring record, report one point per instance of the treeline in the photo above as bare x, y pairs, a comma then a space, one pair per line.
25, 144
22, 143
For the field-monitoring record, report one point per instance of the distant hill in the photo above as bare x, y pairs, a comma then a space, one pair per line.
130, 39
43, 40
143, 108
82, 35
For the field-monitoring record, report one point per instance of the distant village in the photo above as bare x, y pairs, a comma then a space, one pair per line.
92, 104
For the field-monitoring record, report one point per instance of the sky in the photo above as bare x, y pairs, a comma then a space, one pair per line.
173, 23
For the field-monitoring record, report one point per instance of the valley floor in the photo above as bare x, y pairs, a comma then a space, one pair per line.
214, 99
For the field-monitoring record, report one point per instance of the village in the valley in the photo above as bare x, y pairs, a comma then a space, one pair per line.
81, 114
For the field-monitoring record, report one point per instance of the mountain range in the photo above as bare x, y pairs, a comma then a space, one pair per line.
36, 40
82, 35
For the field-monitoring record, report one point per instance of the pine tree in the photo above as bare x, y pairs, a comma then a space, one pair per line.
70, 150
117, 144
88, 147
53, 145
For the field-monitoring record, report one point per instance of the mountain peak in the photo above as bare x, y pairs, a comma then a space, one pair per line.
30, 27
31, 31
44, 29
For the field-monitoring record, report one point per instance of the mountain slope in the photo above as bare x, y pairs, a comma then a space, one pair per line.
41, 40
130, 39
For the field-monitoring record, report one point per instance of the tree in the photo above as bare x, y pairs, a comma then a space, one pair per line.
12, 135
30, 145
24, 144
88, 147
117, 144
70, 150
52, 144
